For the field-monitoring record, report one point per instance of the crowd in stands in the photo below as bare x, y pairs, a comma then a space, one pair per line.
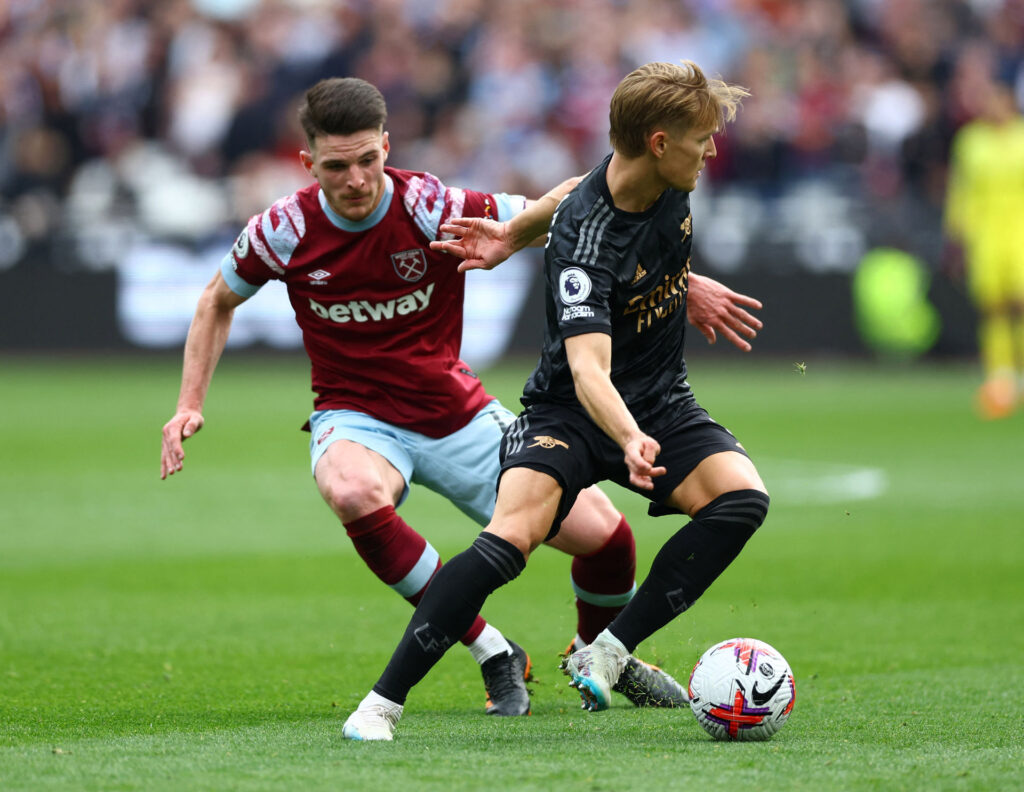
179, 115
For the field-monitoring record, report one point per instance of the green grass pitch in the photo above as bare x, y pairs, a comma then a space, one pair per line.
213, 631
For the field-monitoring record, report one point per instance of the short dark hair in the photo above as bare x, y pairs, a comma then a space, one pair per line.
341, 106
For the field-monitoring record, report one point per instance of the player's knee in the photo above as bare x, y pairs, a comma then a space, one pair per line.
525, 534
354, 496
592, 522
621, 540
763, 502
745, 510
602, 510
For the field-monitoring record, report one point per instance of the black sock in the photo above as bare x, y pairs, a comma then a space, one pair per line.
689, 562
447, 609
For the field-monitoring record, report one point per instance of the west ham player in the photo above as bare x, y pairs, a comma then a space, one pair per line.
609, 395
381, 315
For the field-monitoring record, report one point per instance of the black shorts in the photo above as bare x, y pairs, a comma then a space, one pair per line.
568, 446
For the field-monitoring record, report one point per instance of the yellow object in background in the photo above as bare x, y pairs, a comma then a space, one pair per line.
890, 297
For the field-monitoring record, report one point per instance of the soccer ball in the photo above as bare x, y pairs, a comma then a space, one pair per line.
742, 689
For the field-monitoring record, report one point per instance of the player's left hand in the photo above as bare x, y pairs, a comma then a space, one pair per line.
640, 455
712, 306
482, 244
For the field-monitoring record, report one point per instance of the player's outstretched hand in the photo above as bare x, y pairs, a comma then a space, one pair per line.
482, 244
640, 455
182, 426
711, 306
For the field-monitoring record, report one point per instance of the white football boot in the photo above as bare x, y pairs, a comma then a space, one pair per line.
596, 669
643, 683
374, 719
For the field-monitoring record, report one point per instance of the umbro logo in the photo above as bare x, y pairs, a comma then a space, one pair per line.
638, 275
544, 441
319, 277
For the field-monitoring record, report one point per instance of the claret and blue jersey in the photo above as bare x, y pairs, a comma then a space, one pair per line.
380, 312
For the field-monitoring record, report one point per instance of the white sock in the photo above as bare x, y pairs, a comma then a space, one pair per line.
578, 643
610, 641
488, 643
376, 698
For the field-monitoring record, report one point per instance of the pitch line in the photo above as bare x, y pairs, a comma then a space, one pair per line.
803, 481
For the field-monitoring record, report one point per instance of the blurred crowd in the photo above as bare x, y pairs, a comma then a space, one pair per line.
176, 118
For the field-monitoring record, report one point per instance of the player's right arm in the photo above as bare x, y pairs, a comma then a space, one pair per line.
207, 336
484, 244
590, 359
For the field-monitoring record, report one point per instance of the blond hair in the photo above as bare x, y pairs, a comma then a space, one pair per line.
663, 95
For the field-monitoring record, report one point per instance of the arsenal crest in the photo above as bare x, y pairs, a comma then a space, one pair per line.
410, 265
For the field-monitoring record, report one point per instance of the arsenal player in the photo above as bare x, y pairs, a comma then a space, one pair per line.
609, 394
381, 318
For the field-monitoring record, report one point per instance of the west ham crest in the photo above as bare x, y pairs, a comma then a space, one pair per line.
410, 265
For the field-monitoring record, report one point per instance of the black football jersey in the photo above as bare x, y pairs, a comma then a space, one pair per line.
625, 274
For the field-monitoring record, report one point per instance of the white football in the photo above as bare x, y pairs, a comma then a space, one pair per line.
742, 689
